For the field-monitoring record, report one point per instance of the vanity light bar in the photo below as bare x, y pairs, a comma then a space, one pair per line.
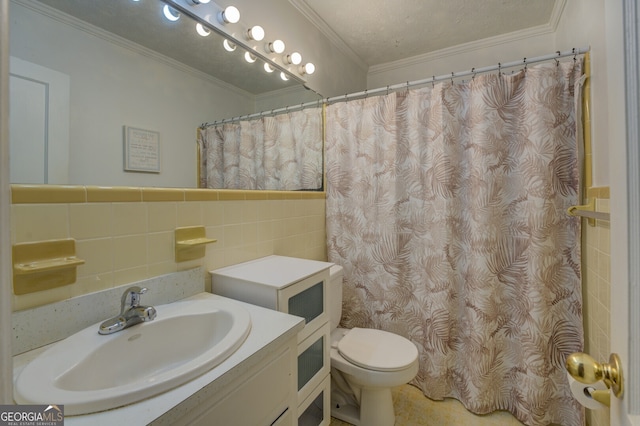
212, 17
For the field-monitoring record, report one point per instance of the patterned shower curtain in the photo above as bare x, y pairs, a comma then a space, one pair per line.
282, 152
447, 207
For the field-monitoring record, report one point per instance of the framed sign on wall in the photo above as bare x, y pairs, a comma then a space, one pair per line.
141, 150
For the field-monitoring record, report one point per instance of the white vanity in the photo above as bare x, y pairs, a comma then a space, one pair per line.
261, 371
298, 287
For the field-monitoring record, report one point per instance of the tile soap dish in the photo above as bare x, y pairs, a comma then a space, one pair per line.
43, 265
191, 243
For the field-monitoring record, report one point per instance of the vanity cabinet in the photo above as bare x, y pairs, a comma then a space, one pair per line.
261, 395
297, 287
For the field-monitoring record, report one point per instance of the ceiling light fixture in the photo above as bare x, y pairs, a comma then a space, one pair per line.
276, 46
170, 13
249, 57
307, 68
197, 2
267, 67
255, 33
284, 76
228, 45
230, 15
200, 29
295, 58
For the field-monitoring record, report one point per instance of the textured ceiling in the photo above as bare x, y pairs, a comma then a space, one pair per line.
380, 31
371, 31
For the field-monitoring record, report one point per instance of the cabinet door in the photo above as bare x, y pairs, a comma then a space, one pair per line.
313, 361
315, 410
261, 400
307, 299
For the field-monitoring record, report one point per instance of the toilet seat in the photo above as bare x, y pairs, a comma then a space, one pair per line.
377, 350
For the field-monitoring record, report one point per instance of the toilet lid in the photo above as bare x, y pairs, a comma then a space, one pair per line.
377, 350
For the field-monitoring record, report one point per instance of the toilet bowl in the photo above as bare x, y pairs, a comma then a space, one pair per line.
365, 365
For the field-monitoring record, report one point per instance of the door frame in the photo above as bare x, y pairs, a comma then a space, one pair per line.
625, 214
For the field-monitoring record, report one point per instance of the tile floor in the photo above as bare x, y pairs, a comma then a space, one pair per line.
414, 409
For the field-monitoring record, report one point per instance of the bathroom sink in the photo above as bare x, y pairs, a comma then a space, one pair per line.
88, 372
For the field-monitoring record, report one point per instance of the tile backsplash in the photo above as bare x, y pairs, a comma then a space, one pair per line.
127, 241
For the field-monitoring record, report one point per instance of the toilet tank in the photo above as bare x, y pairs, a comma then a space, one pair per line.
335, 295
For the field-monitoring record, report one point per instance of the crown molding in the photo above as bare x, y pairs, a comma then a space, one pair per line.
320, 24
556, 14
127, 44
488, 42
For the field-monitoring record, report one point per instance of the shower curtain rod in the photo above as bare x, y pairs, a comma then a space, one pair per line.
472, 72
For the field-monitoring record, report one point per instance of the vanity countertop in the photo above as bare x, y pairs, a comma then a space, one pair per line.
269, 330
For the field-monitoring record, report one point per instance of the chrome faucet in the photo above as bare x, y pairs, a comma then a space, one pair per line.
131, 315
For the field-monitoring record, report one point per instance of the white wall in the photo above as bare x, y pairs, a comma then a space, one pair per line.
583, 22
112, 86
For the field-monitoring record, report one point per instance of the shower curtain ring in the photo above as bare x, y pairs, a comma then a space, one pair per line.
525, 64
366, 93
499, 69
433, 82
452, 74
387, 89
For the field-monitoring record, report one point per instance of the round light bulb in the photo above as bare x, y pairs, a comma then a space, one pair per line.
295, 58
276, 46
197, 2
256, 33
170, 13
249, 57
228, 46
200, 29
308, 68
230, 15
267, 67
284, 76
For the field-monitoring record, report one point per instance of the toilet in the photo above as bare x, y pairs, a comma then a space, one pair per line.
365, 365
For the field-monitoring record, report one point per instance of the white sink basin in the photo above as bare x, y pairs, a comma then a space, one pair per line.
88, 372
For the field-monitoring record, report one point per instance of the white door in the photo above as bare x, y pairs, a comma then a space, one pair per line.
38, 124
624, 98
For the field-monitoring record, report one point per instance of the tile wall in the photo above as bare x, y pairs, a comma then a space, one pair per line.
127, 234
596, 270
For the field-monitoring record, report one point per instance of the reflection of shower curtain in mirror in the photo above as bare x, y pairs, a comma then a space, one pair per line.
446, 206
282, 152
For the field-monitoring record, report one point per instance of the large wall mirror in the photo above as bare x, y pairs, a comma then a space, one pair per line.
99, 85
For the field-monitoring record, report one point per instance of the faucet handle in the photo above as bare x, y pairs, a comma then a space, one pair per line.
135, 293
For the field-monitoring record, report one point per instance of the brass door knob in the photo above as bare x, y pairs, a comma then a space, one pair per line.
585, 369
